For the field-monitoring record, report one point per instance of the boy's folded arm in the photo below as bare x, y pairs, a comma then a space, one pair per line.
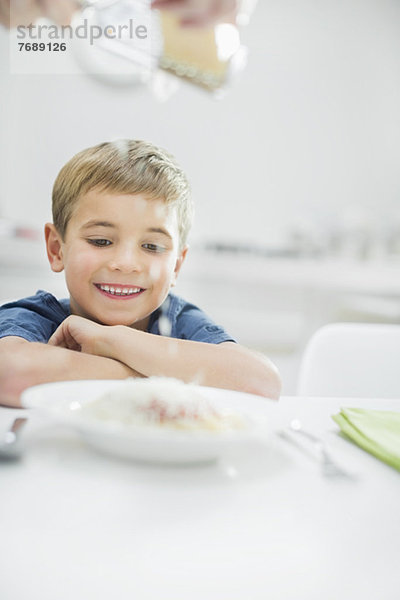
225, 365
24, 363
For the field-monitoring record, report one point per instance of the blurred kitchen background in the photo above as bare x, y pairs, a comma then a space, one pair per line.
295, 172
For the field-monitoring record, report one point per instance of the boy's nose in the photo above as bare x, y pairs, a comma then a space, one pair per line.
125, 260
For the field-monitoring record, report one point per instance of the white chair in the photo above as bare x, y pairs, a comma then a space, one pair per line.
352, 359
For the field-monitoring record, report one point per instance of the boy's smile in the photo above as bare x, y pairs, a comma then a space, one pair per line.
120, 255
118, 291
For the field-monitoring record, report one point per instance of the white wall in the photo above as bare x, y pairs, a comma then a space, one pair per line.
312, 126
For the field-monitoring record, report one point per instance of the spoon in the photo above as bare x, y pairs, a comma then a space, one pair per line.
10, 445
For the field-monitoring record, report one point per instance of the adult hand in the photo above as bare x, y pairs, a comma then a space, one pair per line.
199, 13
194, 13
25, 12
82, 335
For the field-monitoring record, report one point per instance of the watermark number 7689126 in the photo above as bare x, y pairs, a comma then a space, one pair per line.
42, 46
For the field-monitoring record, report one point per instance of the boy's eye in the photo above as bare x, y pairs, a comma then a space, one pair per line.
99, 242
153, 247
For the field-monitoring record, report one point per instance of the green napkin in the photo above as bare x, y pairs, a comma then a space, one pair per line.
377, 431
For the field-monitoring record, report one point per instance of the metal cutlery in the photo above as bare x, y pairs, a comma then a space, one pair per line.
10, 444
314, 446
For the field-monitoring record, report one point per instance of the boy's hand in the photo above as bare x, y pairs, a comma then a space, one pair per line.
82, 335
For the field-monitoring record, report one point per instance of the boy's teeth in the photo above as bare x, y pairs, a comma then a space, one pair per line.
119, 291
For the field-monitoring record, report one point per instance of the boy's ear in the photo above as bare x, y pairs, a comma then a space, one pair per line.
178, 264
53, 247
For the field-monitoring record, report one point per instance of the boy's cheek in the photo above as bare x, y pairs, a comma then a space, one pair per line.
155, 271
81, 262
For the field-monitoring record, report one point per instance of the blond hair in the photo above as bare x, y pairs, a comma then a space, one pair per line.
124, 167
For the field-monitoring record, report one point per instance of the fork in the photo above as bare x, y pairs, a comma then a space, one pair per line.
10, 444
329, 466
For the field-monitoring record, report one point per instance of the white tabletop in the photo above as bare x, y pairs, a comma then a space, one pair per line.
263, 524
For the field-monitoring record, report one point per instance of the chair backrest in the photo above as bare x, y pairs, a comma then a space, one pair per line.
352, 359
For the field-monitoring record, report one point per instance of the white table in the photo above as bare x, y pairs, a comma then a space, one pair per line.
266, 524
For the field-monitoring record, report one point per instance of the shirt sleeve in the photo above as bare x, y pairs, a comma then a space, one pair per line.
191, 323
35, 318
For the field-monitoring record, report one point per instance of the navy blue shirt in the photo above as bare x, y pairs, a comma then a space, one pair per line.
37, 317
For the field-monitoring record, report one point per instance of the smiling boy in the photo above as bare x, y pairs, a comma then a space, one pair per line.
122, 213
120, 255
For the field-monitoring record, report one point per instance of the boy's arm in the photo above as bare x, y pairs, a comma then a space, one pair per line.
24, 363
226, 365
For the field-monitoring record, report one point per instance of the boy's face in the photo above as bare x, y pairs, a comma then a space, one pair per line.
120, 255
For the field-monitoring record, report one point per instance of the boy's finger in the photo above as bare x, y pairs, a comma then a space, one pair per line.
53, 339
58, 337
70, 341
